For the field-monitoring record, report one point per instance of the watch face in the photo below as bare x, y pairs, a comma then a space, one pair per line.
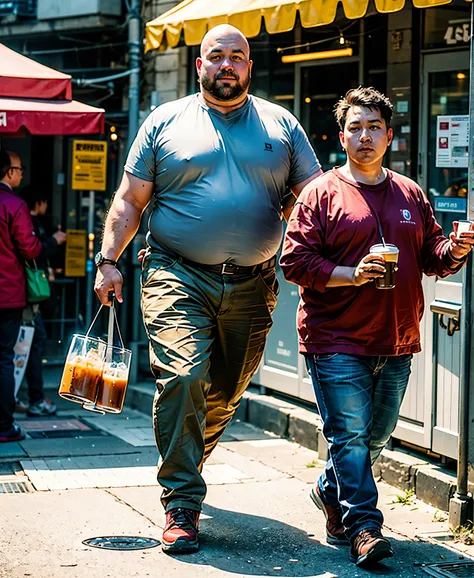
98, 259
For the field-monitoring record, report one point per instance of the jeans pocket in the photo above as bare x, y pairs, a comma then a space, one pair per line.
324, 356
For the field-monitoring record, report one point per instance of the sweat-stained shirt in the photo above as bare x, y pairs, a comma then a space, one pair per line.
332, 224
220, 178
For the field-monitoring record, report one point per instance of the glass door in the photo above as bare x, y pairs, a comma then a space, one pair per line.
443, 174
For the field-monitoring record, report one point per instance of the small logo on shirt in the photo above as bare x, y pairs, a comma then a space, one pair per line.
268, 147
406, 217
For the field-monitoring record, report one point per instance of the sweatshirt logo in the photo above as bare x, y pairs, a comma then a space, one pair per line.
406, 217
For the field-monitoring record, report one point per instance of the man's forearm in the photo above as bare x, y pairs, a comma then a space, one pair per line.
341, 277
120, 227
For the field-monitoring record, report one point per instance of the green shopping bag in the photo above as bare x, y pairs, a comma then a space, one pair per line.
37, 284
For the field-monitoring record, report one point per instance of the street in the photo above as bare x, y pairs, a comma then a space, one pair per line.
258, 519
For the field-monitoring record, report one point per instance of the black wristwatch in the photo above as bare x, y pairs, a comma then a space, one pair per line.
101, 260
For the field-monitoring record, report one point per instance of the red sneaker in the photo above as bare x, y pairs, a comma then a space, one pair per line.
180, 534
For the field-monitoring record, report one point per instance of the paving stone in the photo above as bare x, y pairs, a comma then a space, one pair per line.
252, 467
76, 446
11, 450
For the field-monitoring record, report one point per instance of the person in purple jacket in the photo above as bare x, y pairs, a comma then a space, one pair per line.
358, 341
17, 242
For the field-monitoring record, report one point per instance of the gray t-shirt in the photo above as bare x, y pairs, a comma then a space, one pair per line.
219, 178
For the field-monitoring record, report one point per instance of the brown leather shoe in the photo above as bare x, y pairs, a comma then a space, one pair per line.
335, 532
180, 534
369, 547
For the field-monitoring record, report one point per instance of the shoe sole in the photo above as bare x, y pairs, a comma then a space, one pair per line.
379, 552
180, 547
330, 538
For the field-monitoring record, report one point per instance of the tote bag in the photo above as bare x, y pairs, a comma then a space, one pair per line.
37, 284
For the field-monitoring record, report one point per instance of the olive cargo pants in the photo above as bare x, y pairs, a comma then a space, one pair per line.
207, 334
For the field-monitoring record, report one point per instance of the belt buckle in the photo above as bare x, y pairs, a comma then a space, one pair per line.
224, 270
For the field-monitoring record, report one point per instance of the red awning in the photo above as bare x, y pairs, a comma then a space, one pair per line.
22, 77
49, 117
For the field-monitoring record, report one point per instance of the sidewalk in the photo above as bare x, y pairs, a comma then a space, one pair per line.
258, 519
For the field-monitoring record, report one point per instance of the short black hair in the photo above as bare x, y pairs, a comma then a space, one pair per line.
5, 163
33, 195
368, 97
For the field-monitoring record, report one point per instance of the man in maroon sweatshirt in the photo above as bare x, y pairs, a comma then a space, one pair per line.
358, 340
17, 242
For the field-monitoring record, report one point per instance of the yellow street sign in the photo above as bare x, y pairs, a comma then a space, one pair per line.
75, 253
89, 165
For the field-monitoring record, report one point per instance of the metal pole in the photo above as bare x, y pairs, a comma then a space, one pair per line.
90, 298
134, 64
134, 54
460, 507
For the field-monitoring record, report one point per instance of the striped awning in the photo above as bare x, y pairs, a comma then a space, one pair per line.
196, 17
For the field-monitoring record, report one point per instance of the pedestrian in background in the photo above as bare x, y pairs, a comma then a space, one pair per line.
17, 242
218, 165
37, 202
358, 341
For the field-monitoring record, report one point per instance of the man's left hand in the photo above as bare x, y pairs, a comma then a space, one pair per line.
462, 245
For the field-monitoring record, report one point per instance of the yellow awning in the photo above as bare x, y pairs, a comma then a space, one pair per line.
196, 17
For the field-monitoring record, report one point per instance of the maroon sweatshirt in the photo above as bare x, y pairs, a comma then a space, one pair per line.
332, 224
17, 242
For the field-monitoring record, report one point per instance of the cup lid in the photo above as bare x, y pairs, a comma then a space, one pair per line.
380, 248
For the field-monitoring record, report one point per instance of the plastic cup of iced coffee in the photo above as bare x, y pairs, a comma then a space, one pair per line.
113, 383
83, 369
389, 253
463, 226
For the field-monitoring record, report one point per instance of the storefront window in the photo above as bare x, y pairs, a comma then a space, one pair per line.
447, 27
341, 34
322, 86
270, 78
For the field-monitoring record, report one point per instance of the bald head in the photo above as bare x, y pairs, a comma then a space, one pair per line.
224, 66
224, 33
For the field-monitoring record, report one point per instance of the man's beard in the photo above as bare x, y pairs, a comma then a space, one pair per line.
227, 92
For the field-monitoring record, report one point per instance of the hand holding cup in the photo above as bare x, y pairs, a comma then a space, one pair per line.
462, 238
369, 268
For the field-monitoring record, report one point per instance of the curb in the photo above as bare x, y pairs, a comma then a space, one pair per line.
431, 484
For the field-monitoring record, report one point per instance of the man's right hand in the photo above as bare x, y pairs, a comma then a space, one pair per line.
369, 268
108, 278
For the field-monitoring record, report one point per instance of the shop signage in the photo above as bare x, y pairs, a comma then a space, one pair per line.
452, 205
3, 119
452, 141
458, 34
75, 253
89, 165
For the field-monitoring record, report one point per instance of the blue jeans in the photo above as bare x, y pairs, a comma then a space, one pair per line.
359, 399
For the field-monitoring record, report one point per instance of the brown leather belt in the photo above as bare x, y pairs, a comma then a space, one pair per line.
231, 269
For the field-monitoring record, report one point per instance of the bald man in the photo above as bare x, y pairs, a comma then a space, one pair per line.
218, 165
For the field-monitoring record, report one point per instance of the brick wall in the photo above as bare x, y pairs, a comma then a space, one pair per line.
165, 72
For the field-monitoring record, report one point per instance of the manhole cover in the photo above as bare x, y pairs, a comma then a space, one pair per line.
121, 542
464, 569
